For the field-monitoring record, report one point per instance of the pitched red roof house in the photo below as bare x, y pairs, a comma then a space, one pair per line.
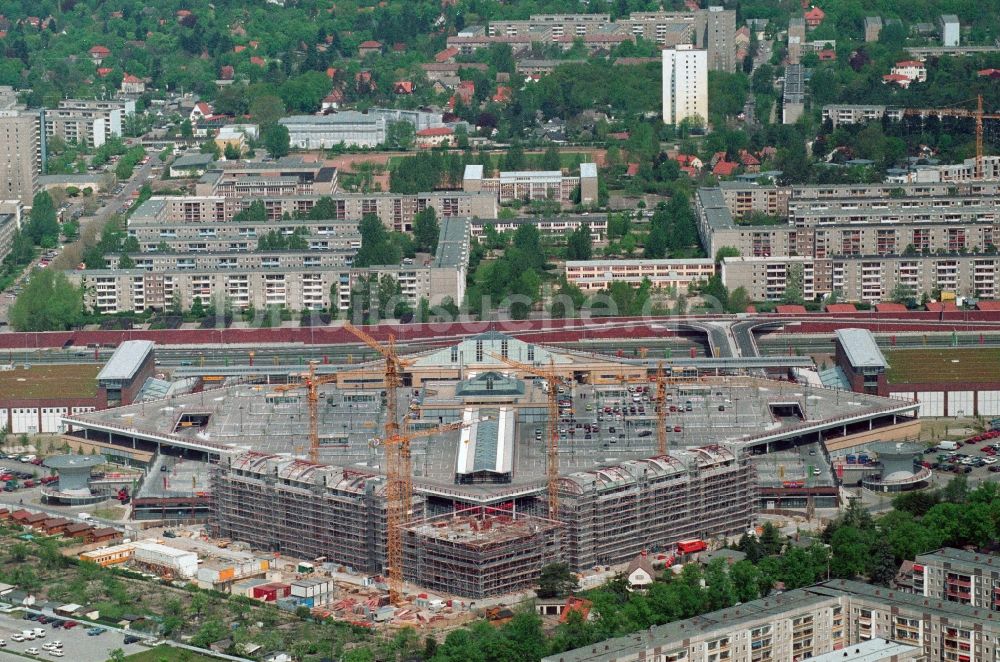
226, 72
827, 55
619, 135
399, 47
748, 159
435, 131
725, 168
789, 309
814, 17
181, 13
989, 73
465, 91
841, 308
239, 48
503, 94
632, 170
988, 305
402, 87
940, 306
447, 55
98, 53
104, 71
898, 79
331, 72
254, 44
258, 60
370, 46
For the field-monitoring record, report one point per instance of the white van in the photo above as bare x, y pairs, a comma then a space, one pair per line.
947, 445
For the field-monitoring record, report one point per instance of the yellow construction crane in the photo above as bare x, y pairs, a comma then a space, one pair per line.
399, 496
398, 465
963, 112
552, 380
311, 382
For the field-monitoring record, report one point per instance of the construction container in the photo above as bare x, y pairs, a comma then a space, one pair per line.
246, 586
305, 568
311, 588
183, 563
271, 592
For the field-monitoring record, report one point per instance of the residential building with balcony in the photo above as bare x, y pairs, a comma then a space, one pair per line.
395, 210
595, 275
836, 620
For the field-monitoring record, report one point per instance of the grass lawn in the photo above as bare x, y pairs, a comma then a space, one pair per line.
50, 381
169, 653
943, 365
111, 512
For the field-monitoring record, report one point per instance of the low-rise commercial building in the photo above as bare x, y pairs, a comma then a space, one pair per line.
533, 185
352, 128
266, 179
34, 399
593, 275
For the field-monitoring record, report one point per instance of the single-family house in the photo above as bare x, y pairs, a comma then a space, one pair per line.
132, 85
369, 47
640, 574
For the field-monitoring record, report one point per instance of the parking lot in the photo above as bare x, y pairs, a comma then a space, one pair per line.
77, 645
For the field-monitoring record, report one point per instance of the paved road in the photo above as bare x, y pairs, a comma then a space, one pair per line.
112, 205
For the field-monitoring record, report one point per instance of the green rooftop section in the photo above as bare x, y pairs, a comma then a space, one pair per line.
952, 365
49, 381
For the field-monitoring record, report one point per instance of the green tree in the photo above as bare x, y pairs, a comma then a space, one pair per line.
400, 135
49, 302
882, 569
726, 251
426, 230
739, 300
793, 285
556, 580
276, 140
771, 539
850, 553
43, 226
550, 159
579, 244
267, 110
231, 152
116, 655
376, 245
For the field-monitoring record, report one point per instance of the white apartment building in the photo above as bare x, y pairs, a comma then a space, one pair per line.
533, 185
685, 84
594, 275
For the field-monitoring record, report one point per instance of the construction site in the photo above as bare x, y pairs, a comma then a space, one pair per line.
466, 469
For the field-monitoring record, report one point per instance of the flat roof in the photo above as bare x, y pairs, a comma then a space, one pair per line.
861, 348
49, 382
986, 562
126, 360
588, 170
191, 160
954, 365
873, 650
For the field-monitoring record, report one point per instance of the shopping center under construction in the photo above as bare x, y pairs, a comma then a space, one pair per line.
485, 512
